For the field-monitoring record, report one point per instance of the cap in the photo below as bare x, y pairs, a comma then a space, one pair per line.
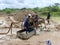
29, 14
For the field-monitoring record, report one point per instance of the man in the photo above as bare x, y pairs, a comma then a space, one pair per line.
36, 20
48, 17
27, 25
26, 22
32, 20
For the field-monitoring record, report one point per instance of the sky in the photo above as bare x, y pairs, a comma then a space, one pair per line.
26, 3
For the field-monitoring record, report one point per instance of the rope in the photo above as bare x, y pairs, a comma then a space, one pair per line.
8, 30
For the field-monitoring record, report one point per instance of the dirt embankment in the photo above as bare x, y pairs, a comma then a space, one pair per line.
18, 15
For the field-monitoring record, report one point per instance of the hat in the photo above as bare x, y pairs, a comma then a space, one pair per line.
29, 14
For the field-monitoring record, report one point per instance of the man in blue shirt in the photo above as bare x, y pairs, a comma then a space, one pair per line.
27, 24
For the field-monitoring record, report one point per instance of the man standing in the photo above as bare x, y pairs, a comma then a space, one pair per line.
48, 17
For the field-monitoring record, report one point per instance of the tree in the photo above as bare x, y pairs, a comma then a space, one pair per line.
55, 8
36, 9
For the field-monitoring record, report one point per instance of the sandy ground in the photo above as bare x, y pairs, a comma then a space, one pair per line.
53, 36
8, 39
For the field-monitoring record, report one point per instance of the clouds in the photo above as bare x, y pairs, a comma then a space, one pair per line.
26, 3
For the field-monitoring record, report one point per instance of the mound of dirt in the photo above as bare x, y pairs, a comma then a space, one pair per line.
20, 15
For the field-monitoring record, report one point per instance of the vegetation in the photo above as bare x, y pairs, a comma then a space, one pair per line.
54, 10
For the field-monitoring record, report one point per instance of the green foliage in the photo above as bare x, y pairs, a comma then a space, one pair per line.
36, 9
55, 14
46, 9
54, 10
8, 10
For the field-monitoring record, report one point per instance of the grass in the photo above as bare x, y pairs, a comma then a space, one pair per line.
54, 18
